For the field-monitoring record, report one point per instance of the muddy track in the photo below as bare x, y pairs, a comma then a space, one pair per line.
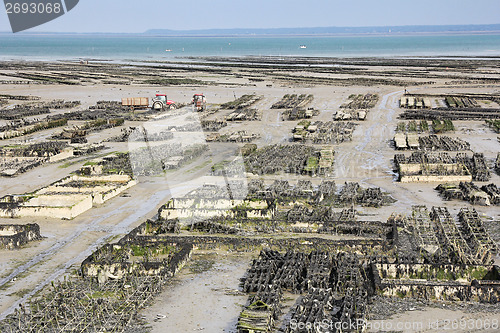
373, 137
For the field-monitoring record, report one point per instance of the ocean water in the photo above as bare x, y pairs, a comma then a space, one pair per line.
63, 47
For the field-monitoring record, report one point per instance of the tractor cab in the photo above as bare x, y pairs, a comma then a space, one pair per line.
162, 98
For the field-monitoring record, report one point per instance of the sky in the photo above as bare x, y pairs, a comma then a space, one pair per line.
133, 16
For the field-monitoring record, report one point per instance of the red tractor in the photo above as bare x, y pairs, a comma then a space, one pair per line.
160, 102
199, 102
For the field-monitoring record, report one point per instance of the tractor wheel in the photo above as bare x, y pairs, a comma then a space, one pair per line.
157, 106
172, 106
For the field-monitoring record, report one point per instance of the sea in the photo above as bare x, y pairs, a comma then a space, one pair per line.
158, 48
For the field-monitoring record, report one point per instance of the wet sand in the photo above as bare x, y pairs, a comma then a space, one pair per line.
207, 300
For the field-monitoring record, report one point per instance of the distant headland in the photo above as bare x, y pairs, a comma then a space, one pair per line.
410, 29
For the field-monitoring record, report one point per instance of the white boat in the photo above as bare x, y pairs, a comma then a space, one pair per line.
303, 47
168, 50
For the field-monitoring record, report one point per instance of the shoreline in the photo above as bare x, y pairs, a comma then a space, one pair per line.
282, 58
